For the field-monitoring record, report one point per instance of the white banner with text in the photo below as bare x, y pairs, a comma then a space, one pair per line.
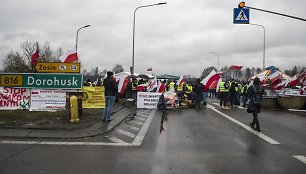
147, 100
47, 100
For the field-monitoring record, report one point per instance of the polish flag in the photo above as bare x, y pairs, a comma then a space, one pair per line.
236, 67
211, 78
152, 85
294, 81
35, 56
181, 80
218, 86
161, 87
69, 56
275, 78
122, 83
282, 84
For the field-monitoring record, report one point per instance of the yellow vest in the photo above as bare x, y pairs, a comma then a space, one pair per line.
222, 87
189, 89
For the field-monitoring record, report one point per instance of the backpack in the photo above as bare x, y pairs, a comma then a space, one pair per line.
257, 99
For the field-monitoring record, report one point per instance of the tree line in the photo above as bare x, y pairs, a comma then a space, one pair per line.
19, 61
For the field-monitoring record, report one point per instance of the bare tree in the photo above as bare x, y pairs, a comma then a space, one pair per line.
21, 61
14, 62
117, 69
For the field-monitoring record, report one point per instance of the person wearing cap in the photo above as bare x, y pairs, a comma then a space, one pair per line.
111, 89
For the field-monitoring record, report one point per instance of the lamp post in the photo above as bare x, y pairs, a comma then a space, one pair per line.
77, 35
133, 63
264, 45
218, 57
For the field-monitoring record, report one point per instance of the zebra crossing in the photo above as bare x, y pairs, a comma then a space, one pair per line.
131, 131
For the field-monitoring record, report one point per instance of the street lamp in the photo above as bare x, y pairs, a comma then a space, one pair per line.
218, 58
264, 45
77, 35
133, 66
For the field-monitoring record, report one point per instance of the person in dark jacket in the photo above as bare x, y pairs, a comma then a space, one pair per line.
255, 93
111, 89
197, 90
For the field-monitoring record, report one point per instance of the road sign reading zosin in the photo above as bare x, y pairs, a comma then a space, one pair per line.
57, 67
241, 16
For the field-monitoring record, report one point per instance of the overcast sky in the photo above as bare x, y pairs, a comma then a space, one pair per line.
175, 38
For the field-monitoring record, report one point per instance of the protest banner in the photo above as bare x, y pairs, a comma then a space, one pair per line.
14, 98
147, 100
47, 100
93, 97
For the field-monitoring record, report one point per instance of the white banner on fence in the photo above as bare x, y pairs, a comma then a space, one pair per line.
14, 98
47, 100
147, 100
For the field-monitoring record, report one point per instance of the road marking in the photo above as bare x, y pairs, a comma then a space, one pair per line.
297, 110
300, 158
143, 116
218, 104
63, 143
115, 139
141, 134
139, 118
137, 122
126, 133
260, 135
240, 107
133, 128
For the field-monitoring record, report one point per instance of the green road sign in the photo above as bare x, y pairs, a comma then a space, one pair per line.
42, 80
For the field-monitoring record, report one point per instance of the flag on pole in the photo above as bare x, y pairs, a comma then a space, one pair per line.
218, 85
212, 76
181, 80
236, 67
152, 85
69, 56
35, 56
122, 83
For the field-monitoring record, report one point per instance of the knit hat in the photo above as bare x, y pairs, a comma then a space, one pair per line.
109, 73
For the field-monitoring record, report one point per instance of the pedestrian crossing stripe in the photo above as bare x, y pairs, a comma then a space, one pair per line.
241, 16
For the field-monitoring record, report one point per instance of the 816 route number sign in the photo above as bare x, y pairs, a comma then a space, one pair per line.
57, 67
11, 80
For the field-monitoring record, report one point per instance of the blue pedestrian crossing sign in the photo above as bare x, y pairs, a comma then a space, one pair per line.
241, 16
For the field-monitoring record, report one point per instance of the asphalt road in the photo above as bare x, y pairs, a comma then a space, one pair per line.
210, 140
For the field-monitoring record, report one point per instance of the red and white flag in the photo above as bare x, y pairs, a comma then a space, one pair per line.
152, 85
211, 78
181, 80
274, 78
218, 85
69, 56
35, 56
236, 67
122, 83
